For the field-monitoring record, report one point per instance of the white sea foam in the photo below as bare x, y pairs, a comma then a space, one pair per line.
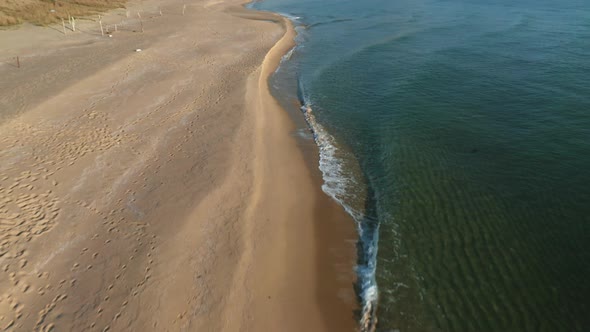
292, 18
287, 56
284, 58
341, 186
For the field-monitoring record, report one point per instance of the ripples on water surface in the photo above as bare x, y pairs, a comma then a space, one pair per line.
470, 121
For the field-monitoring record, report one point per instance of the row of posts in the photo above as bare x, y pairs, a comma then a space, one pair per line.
72, 22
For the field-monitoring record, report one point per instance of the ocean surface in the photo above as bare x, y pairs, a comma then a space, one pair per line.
457, 134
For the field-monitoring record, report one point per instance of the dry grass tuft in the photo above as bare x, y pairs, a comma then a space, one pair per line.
43, 12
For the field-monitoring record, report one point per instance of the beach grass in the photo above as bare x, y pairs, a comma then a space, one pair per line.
43, 12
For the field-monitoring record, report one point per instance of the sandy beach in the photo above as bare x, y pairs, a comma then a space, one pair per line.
162, 189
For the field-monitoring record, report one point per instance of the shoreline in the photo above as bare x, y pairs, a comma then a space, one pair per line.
317, 159
173, 203
329, 211
333, 237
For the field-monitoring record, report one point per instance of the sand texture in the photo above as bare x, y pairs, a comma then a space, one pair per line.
162, 190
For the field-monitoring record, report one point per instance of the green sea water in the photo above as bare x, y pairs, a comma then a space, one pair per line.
457, 133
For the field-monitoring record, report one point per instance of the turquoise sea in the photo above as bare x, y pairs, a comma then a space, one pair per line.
457, 134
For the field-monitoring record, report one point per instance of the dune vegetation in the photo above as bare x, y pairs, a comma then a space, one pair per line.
43, 12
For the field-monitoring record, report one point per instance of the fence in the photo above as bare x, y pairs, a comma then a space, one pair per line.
129, 22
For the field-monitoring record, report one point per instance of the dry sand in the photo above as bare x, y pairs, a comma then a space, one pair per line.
162, 190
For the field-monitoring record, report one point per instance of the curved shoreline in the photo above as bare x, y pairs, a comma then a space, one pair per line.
334, 224
332, 252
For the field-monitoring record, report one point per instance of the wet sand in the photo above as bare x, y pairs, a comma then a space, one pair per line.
162, 189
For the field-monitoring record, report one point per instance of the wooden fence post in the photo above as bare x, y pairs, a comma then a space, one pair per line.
100, 23
140, 21
17, 62
63, 24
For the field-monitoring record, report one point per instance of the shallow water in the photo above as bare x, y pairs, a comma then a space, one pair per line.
457, 133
